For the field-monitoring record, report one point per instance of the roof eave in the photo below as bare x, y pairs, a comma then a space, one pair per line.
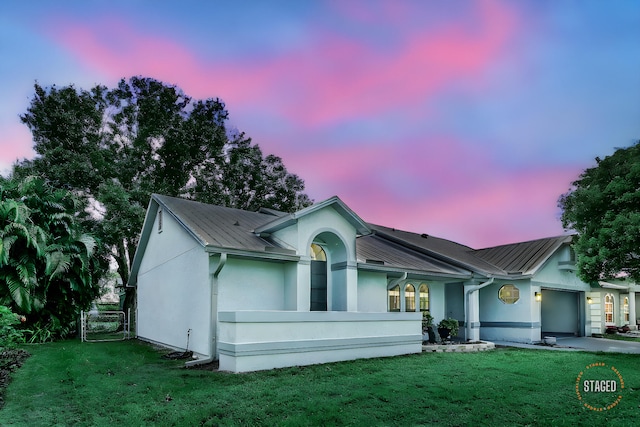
421, 273
275, 254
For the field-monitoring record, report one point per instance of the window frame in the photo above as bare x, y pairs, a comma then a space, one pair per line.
426, 286
409, 297
396, 299
513, 295
609, 308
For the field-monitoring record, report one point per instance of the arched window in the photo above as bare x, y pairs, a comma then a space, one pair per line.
424, 297
409, 297
625, 309
317, 253
608, 308
318, 301
394, 298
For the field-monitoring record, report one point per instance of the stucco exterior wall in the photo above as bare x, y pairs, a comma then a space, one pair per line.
372, 291
251, 341
173, 290
251, 285
553, 276
518, 322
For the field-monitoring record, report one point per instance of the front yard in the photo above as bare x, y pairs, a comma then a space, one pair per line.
127, 383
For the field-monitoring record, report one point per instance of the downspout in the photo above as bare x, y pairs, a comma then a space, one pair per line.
213, 314
398, 280
394, 282
467, 293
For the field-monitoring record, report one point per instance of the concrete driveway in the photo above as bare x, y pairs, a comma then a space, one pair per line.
599, 344
582, 344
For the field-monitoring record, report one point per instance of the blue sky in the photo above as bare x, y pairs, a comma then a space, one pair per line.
464, 120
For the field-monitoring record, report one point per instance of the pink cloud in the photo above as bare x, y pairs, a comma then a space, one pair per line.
335, 79
509, 209
15, 144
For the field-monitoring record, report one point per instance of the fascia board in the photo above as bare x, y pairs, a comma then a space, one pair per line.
267, 256
388, 269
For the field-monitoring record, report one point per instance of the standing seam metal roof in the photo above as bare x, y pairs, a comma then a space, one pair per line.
231, 228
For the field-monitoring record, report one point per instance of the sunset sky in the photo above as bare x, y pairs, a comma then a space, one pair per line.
461, 119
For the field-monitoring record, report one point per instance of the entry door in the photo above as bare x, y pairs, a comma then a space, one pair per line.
454, 301
318, 285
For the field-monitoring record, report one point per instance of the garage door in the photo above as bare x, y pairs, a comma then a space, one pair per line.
560, 312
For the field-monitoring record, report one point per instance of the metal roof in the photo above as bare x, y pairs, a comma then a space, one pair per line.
524, 257
218, 226
445, 250
374, 250
385, 249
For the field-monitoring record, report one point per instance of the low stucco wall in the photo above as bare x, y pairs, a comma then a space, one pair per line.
258, 340
522, 332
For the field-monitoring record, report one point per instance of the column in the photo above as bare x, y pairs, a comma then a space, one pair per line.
632, 311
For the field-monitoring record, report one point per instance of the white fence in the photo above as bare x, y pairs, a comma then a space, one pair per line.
103, 326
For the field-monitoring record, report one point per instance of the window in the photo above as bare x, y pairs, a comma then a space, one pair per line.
424, 297
409, 298
625, 309
317, 253
159, 220
394, 298
608, 308
509, 294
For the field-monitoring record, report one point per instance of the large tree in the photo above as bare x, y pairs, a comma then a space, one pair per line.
49, 267
603, 207
115, 147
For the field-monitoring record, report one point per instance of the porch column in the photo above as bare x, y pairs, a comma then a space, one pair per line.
352, 287
303, 285
472, 312
632, 310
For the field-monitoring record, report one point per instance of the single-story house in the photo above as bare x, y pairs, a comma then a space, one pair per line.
267, 289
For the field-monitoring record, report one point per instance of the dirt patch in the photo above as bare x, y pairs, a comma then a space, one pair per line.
211, 366
10, 361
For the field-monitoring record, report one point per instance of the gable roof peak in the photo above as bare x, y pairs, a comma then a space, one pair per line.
335, 202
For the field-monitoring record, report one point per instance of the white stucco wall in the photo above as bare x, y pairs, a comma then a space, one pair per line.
372, 291
551, 276
173, 290
251, 285
518, 322
252, 340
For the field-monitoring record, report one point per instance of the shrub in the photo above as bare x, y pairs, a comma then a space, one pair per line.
9, 334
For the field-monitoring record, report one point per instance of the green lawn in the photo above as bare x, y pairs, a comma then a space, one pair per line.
128, 384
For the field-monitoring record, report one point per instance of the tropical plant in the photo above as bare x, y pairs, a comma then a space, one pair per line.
10, 335
48, 265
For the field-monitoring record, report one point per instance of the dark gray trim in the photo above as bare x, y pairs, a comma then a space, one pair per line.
517, 325
314, 316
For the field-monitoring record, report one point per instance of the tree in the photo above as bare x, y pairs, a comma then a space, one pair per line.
603, 207
48, 265
114, 147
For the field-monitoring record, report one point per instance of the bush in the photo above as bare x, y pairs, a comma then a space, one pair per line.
9, 334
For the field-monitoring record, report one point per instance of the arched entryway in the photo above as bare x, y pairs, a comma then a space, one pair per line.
318, 278
328, 273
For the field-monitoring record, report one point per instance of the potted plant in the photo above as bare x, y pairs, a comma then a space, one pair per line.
448, 328
428, 333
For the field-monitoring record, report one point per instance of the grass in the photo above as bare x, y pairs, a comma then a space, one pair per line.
127, 383
621, 337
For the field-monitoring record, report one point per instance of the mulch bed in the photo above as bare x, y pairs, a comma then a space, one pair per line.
10, 361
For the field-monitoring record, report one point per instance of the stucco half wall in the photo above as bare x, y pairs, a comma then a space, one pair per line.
258, 340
